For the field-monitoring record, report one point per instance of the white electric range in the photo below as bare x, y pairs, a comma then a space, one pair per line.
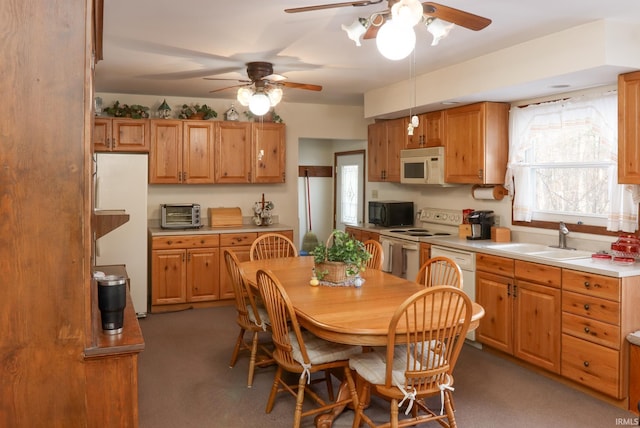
401, 245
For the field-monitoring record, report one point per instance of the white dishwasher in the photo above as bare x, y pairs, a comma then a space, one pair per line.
467, 262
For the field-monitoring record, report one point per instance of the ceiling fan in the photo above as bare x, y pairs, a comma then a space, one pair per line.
430, 11
261, 75
263, 90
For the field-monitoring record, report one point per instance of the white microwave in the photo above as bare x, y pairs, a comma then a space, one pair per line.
422, 166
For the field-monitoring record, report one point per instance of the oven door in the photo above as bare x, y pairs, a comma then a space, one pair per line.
401, 258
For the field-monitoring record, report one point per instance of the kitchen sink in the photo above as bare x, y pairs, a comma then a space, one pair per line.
560, 254
542, 251
522, 248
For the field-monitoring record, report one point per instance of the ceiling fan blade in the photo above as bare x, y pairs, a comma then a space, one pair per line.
301, 86
455, 16
228, 87
221, 78
332, 5
275, 77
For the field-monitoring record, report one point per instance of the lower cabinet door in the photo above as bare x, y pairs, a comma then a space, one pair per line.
168, 273
203, 274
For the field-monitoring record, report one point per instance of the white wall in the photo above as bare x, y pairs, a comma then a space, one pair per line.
313, 121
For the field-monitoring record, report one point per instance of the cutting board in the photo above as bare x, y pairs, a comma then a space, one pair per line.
225, 217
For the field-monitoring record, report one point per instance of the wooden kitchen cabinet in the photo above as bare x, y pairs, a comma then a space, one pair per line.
522, 306
476, 141
385, 140
121, 135
181, 152
629, 128
185, 269
429, 131
250, 152
425, 252
361, 234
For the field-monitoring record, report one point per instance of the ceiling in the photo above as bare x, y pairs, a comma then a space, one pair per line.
167, 47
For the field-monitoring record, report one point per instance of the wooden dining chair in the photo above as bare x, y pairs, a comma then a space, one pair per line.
377, 256
425, 336
272, 246
440, 271
251, 317
299, 351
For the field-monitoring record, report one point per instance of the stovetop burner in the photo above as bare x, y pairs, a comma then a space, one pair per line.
419, 234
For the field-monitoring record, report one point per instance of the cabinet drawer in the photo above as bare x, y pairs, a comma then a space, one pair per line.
591, 284
183, 241
539, 273
591, 307
592, 365
236, 239
594, 331
494, 264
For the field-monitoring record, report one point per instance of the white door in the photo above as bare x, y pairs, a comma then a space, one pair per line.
349, 188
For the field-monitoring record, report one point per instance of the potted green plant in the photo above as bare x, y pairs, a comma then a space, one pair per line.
342, 260
134, 111
197, 111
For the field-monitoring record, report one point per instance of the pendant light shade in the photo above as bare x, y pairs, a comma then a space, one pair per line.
356, 30
438, 28
244, 95
259, 103
407, 12
275, 95
395, 41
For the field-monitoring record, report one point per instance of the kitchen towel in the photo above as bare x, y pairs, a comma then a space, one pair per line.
397, 260
386, 260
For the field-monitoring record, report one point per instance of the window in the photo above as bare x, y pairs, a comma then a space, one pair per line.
563, 164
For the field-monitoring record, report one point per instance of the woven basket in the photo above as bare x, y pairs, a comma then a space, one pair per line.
335, 272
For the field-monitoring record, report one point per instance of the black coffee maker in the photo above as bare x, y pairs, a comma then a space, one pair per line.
481, 222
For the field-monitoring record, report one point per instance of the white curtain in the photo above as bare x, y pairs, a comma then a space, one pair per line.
529, 124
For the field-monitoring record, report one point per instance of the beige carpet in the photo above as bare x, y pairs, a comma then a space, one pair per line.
185, 381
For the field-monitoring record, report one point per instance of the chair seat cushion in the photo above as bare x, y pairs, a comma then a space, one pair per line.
262, 312
321, 351
372, 365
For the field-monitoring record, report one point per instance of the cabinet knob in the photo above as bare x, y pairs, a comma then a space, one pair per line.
586, 363
587, 284
169, 242
586, 306
587, 329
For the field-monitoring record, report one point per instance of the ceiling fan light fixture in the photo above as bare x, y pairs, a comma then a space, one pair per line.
395, 41
259, 103
244, 95
407, 12
356, 30
438, 28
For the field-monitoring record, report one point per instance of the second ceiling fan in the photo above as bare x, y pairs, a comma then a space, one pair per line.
411, 11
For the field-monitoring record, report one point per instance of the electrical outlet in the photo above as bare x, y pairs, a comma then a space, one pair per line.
496, 221
374, 194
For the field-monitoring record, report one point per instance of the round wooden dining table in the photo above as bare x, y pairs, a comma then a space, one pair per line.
342, 314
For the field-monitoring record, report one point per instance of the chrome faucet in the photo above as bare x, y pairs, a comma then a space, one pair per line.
563, 231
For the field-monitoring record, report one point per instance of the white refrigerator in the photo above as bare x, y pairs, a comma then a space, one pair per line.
121, 183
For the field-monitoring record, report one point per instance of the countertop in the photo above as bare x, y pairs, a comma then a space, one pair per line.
584, 265
208, 230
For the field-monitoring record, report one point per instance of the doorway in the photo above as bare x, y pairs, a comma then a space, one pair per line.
349, 189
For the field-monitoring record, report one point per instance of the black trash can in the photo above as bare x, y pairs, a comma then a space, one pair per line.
112, 299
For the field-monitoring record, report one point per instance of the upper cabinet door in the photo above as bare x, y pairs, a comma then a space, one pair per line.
198, 151
476, 143
130, 135
268, 152
165, 154
233, 152
629, 128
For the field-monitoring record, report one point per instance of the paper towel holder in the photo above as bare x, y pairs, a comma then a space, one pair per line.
493, 192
